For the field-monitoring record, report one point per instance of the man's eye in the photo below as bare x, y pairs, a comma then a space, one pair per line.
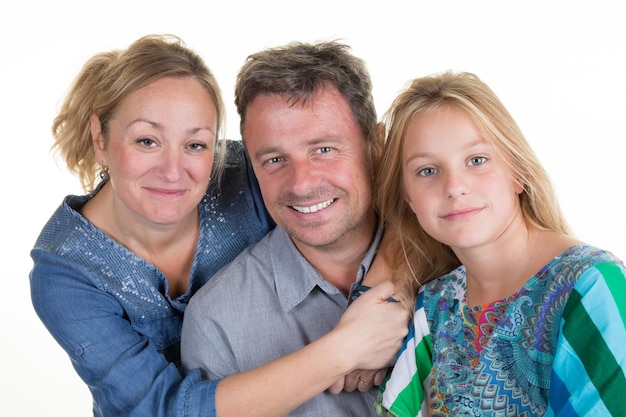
324, 149
427, 172
274, 160
477, 160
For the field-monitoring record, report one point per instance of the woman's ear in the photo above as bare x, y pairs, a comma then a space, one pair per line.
97, 138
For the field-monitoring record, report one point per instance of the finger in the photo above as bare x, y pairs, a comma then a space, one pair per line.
337, 387
381, 291
364, 385
351, 382
380, 376
365, 381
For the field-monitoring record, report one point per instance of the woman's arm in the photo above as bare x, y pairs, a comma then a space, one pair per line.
368, 336
365, 379
124, 369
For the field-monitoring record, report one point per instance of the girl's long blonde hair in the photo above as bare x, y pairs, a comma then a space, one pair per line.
415, 257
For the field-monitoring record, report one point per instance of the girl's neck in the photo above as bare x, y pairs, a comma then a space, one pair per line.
502, 271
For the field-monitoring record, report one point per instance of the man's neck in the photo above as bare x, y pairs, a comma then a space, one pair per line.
339, 262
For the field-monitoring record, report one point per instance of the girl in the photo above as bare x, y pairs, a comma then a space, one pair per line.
525, 319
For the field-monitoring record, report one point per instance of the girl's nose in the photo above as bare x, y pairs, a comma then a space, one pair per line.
455, 185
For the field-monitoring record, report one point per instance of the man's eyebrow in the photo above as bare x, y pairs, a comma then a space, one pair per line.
266, 151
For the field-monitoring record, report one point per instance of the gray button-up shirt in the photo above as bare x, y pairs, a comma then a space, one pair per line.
266, 304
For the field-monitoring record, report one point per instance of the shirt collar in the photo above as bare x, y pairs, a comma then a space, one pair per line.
295, 277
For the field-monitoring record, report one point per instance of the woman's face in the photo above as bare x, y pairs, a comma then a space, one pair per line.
159, 150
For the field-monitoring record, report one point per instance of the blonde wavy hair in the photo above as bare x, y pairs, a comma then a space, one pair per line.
414, 256
107, 79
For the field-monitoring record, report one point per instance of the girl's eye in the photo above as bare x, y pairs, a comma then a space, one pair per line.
477, 160
427, 172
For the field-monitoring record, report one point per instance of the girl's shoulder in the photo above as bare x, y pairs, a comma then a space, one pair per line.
580, 265
583, 257
451, 285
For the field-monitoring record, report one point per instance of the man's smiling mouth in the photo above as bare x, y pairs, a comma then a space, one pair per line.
314, 208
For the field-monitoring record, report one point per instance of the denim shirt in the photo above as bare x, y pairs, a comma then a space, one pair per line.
110, 309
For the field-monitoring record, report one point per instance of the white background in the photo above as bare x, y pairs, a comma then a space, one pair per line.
560, 68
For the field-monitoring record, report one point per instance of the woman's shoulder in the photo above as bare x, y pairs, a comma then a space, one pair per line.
235, 195
235, 173
63, 223
235, 156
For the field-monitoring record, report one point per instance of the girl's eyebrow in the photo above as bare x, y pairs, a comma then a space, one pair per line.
417, 155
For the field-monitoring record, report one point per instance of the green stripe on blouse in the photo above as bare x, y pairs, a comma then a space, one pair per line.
614, 278
598, 360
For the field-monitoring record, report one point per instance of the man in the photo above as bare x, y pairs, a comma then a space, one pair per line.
308, 122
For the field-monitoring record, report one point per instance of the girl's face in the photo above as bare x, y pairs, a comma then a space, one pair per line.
159, 150
456, 182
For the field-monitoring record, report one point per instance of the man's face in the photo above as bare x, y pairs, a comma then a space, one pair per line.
313, 166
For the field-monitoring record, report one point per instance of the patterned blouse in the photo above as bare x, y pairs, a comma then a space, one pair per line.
556, 347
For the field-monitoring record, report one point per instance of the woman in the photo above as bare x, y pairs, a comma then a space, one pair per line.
114, 269
525, 320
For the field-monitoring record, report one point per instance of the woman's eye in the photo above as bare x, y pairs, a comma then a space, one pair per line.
198, 146
477, 160
147, 142
427, 172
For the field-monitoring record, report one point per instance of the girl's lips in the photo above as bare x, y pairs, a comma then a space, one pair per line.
462, 214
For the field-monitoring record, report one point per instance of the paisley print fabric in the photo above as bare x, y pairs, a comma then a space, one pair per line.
499, 359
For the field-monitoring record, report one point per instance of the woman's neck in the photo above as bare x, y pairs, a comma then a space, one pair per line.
171, 248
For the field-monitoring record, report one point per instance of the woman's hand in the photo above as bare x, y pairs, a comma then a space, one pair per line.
372, 330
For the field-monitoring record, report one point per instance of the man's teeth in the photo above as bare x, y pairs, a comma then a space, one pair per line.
313, 209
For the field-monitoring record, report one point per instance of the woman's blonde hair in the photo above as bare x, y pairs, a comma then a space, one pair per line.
107, 79
416, 257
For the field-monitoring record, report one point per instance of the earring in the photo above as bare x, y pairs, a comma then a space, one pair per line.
104, 173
